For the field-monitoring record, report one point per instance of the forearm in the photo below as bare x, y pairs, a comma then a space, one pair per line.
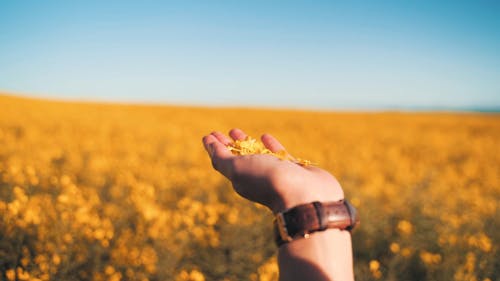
287, 188
325, 255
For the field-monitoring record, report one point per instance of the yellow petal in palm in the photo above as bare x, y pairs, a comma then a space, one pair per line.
251, 146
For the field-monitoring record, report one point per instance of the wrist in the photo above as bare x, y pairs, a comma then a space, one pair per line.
328, 251
292, 199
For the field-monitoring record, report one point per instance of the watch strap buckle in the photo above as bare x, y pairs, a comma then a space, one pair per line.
282, 230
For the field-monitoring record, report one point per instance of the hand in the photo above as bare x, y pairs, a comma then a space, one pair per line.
265, 179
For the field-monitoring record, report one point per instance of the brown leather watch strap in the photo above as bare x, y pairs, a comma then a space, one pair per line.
304, 219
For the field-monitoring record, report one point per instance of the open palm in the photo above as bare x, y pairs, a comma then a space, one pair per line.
265, 179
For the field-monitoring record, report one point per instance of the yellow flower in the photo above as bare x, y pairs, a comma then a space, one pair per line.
394, 247
375, 269
193, 275
10, 274
269, 270
430, 258
374, 265
405, 227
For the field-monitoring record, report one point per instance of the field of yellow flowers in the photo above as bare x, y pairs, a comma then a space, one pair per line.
125, 192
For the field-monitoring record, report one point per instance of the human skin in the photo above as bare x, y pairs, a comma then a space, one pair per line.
280, 185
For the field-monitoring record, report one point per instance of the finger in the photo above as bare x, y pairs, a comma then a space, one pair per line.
272, 143
207, 143
222, 159
225, 140
237, 134
220, 156
215, 148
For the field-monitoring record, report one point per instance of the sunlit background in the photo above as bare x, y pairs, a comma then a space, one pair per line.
322, 54
122, 189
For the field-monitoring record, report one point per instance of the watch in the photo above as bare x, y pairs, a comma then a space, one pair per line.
300, 221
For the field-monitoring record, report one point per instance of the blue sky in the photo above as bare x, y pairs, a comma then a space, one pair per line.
300, 54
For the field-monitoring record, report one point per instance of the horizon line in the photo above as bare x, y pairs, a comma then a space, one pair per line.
387, 108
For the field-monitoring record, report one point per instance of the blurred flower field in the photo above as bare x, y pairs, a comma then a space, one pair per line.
126, 192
